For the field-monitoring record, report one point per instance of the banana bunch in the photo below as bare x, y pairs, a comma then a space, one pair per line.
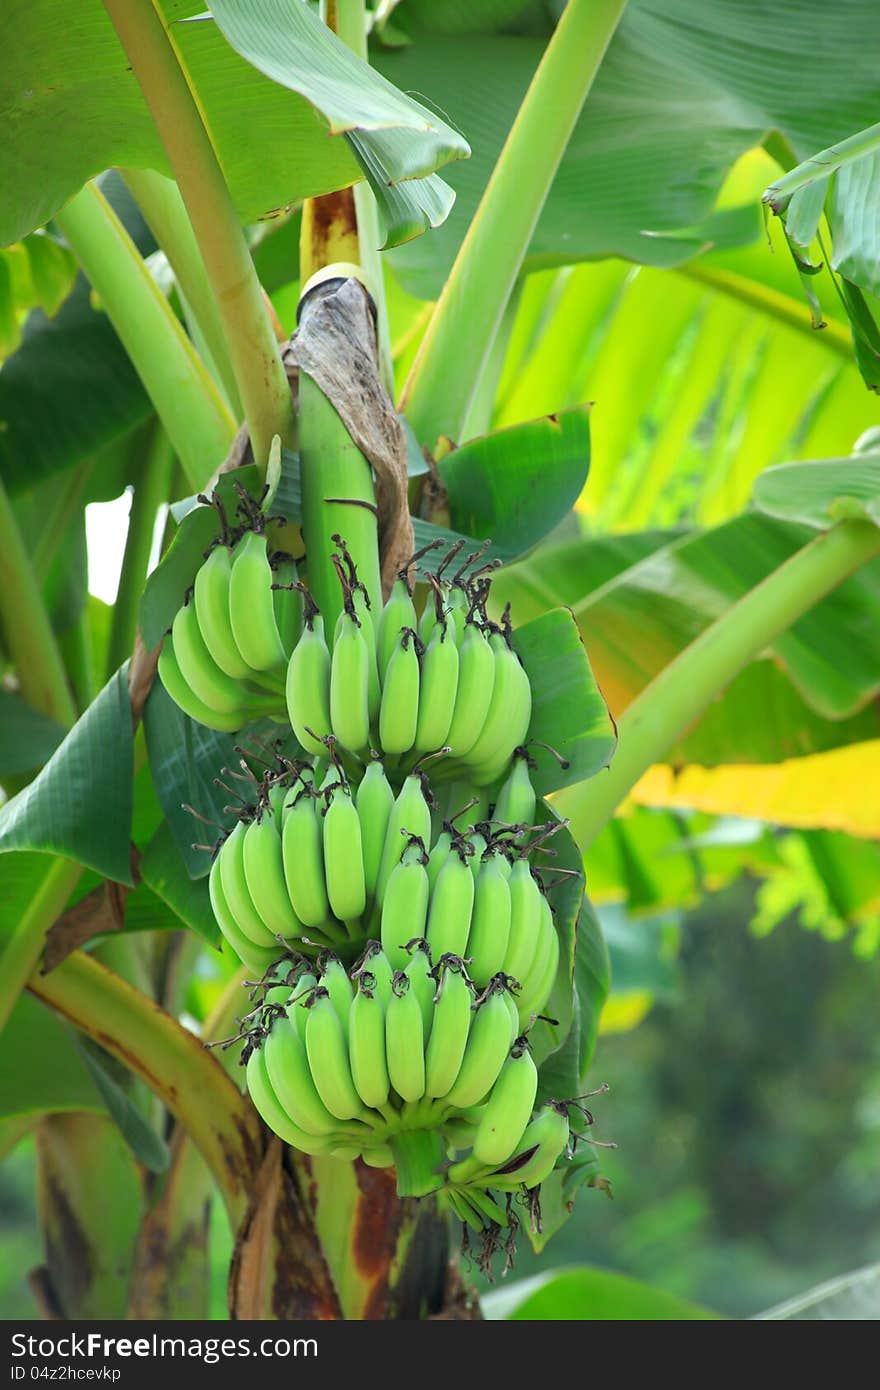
412, 1068
306, 865
225, 660
411, 687
315, 864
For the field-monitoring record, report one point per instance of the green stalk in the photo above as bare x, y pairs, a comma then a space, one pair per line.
172, 1061
149, 42
151, 490
418, 1158
448, 365
75, 645
165, 212
187, 401
24, 948
333, 467
28, 633
685, 688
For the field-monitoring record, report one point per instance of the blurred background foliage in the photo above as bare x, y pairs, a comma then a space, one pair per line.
739, 888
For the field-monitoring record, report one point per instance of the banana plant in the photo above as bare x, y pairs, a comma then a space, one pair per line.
218, 180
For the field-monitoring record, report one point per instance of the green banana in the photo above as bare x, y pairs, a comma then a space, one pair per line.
438, 856
508, 1109
508, 717
375, 962
287, 1066
487, 1048
264, 876
490, 922
404, 1040
516, 800
525, 921
476, 678
544, 1141
374, 802
327, 1052
270, 1110
179, 690
365, 616
378, 1156
399, 712
209, 684
302, 846
287, 601
256, 958
337, 984
308, 684
298, 1010
252, 606
478, 845
350, 684
366, 1044
405, 906
398, 612
422, 983
449, 1030
344, 856
211, 599
449, 914
233, 880
538, 984
411, 815
438, 686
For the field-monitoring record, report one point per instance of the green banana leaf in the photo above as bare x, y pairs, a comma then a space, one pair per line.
80, 805
517, 484
27, 737
668, 74
164, 871
35, 273
816, 686
67, 392
842, 183
586, 1294
823, 491
85, 113
568, 710
50, 1074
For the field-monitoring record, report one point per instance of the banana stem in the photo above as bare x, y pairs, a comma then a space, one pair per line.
418, 1155
165, 213
151, 490
683, 690
187, 401
27, 631
449, 363
262, 382
172, 1061
24, 948
337, 498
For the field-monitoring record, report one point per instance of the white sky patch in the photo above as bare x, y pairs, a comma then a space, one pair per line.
106, 531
